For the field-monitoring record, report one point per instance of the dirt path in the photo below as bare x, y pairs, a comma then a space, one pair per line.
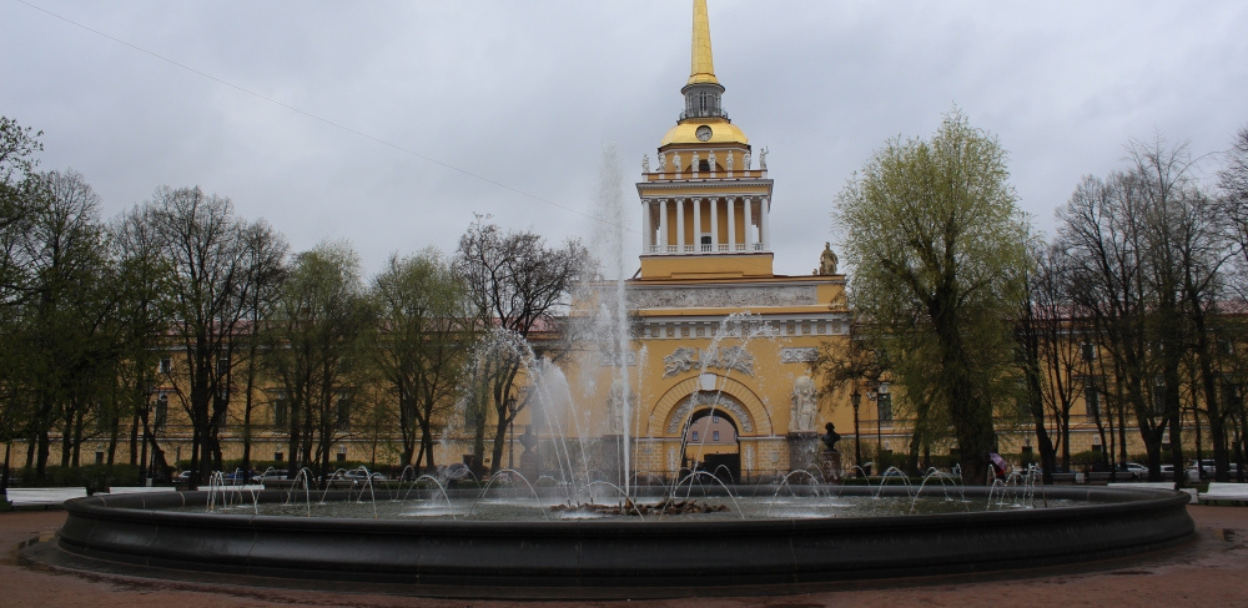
1213, 572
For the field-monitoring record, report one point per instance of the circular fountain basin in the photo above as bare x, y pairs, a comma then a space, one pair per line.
626, 555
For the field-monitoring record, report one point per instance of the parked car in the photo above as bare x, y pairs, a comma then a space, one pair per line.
359, 475
270, 475
1135, 469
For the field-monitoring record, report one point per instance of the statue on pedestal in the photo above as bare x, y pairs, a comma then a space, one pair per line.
645, 163
830, 438
827, 260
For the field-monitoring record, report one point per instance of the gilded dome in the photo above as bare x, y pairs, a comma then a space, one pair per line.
722, 132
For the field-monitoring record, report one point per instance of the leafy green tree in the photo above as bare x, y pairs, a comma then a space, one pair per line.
937, 244
425, 328
316, 354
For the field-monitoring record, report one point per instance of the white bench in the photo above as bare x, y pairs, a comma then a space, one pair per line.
1153, 485
21, 497
251, 487
139, 489
1232, 492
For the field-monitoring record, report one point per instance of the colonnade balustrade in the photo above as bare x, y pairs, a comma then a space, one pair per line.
666, 239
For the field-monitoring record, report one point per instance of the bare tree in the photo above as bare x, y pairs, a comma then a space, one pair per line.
515, 284
211, 284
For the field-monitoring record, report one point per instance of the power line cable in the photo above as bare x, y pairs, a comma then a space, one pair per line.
320, 118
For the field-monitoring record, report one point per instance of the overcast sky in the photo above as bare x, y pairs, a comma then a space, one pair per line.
375, 121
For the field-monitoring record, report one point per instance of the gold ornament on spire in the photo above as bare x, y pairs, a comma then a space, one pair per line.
703, 68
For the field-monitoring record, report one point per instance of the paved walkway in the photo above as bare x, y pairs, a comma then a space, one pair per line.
1212, 572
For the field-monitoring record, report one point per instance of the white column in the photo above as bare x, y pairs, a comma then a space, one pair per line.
764, 208
680, 225
697, 225
731, 203
714, 224
749, 224
663, 226
647, 227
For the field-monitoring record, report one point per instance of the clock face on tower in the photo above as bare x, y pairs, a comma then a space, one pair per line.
703, 133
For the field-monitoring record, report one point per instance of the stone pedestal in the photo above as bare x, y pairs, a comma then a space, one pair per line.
803, 450
830, 466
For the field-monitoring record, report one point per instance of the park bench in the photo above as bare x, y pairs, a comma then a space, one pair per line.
1154, 485
139, 489
1231, 492
1063, 478
47, 497
251, 487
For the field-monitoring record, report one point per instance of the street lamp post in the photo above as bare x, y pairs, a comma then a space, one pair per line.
855, 398
148, 389
874, 395
511, 431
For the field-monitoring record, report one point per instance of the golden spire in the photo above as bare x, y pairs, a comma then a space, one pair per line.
703, 70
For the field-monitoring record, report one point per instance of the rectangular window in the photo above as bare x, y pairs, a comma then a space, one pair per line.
278, 456
166, 365
885, 404
344, 413
1231, 399
223, 366
695, 435
99, 458
281, 411
715, 436
162, 411
1092, 400
342, 457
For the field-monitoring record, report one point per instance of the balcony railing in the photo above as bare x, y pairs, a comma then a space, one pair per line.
703, 249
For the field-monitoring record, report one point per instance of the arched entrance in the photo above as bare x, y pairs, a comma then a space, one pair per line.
711, 435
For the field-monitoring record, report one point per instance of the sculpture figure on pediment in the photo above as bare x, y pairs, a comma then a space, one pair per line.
712, 159
746, 161
645, 163
676, 162
827, 260
730, 159
662, 163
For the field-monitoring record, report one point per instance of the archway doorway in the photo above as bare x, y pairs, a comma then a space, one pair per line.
712, 443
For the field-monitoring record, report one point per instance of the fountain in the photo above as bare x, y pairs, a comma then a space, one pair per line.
580, 534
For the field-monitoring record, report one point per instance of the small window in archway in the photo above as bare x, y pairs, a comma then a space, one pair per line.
695, 435
704, 165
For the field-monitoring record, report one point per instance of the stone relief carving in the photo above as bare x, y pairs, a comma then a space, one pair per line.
680, 361
732, 358
803, 405
615, 407
793, 295
798, 355
720, 402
